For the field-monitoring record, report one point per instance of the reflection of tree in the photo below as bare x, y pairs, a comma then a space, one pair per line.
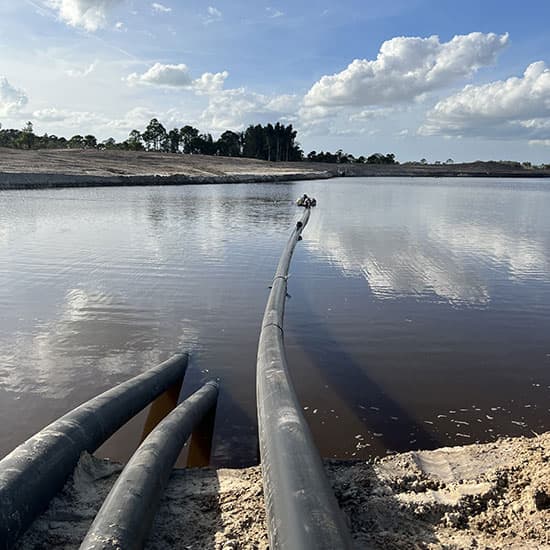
244, 204
156, 209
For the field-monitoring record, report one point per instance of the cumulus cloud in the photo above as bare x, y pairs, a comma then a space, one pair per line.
163, 75
210, 83
405, 69
12, 99
160, 8
512, 108
90, 15
178, 76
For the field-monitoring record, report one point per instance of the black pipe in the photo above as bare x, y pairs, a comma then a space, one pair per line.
34, 472
125, 519
301, 508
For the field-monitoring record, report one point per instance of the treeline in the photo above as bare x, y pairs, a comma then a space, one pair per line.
272, 142
345, 158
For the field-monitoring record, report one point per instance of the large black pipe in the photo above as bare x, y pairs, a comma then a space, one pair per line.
36, 470
302, 511
125, 519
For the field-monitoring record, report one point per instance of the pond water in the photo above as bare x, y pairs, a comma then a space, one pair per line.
419, 313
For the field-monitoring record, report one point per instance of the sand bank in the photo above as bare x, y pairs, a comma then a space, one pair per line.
494, 495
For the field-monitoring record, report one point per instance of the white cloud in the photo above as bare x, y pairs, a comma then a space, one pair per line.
235, 108
210, 83
178, 76
90, 15
163, 75
213, 15
406, 68
12, 99
512, 108
284, 103
160, 8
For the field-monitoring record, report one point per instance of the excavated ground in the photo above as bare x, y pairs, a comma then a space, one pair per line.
21, 169
489, 496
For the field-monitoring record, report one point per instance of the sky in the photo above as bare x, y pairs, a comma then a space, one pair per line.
434, 79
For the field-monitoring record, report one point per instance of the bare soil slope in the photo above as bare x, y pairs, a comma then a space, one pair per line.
76, 167
130, 163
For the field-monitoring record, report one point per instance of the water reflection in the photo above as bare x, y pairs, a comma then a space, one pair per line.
97, 285
430, 242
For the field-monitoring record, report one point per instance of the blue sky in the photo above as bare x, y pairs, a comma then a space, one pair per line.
420, 78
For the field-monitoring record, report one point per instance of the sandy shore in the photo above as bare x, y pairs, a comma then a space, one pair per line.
489, 496
21, 169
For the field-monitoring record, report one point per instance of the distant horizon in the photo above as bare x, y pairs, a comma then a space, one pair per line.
415, 78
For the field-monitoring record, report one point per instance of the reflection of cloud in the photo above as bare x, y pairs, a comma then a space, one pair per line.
411, 241
396, 263
99, 285
95, 335
523, 257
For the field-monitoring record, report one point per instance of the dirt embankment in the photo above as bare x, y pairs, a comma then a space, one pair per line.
73, 168
489, 496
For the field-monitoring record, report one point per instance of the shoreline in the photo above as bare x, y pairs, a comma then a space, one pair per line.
490, 495
17, 180
45, 168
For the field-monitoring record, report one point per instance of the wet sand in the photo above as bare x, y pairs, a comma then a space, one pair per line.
494, 495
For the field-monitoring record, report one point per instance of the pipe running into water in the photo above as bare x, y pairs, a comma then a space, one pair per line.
125, 519
32, 474
302, 511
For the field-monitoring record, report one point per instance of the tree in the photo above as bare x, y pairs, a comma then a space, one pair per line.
76, 142
155, 135
134, 142
187, 135
229, 144
27, 136
449, 161
109, 143
270, 142
379, 158
174, 139
90, 141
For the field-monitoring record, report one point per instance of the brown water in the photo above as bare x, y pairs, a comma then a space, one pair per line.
419, 313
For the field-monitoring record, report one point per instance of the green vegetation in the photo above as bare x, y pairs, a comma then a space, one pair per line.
272, 142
